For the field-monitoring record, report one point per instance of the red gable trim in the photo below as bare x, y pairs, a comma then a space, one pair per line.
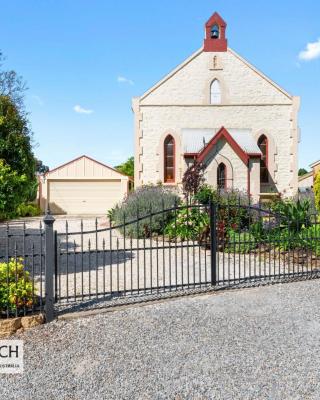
216, 18
89, 158
191, 154
223, 133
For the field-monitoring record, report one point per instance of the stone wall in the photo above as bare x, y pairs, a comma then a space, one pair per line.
249, 100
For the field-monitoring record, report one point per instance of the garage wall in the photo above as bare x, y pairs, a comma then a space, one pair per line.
84, 196
82, 186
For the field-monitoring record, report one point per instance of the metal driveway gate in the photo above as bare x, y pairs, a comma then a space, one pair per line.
135, 257
201, 246
193, 246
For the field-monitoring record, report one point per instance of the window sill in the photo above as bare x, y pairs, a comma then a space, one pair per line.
169, 183
269, 194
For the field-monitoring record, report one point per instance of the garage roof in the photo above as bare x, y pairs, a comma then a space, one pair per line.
83, 160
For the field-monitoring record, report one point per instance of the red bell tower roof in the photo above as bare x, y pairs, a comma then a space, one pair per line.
215, 34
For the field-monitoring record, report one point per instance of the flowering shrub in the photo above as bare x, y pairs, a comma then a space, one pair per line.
192, 179
139, 204
16, 289
189, 224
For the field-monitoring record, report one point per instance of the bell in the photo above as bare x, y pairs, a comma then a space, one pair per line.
215, 32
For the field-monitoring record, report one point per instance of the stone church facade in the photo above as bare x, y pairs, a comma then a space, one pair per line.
218, 109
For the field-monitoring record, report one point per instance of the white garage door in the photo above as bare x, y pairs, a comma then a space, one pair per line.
84, 197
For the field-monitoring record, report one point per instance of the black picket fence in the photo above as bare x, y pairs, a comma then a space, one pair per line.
189, 246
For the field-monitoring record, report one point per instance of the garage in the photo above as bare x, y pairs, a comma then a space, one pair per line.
83, 186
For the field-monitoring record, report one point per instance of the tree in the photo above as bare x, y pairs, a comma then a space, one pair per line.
12, 85
193, 178
302, 171
12, 190
127, 167
41, 168
15, 145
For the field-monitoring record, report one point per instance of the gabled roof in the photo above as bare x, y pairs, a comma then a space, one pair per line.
315, 163
195, 139
89, 158
245, 140
303, 177
216, 17
242, 143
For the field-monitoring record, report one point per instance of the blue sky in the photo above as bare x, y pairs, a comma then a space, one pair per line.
84, 60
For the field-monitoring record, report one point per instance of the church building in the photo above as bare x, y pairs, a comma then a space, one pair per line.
218, 109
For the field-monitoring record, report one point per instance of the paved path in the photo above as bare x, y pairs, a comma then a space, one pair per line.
260, 343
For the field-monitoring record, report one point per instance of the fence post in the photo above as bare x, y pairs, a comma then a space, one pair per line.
213, 241
49, 266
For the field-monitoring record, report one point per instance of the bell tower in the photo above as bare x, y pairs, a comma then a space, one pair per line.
215, 34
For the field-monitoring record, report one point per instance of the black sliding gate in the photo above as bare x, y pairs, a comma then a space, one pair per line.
184, 247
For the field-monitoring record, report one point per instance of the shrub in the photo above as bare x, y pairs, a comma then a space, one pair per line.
233, 210
240, 242
16, 289
141, 203
307, 239
205, 194
258, 230
316, 189
310, 238
232, 197
192, 179
28, 210
189, 224
307, 195
293, 214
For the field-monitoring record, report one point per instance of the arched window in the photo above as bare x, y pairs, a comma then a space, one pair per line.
215, 32
215, 92
263, 146
222, 176
169, 159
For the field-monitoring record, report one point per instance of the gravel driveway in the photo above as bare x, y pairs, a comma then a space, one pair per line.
260, 343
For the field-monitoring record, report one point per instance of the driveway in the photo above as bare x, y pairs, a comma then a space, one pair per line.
260, 343
74, 222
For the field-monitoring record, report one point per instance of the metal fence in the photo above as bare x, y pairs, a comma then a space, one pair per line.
190, 246
22, 269
132, 258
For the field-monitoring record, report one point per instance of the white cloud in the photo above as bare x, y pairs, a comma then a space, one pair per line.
123, 79
81, 110
311, 52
